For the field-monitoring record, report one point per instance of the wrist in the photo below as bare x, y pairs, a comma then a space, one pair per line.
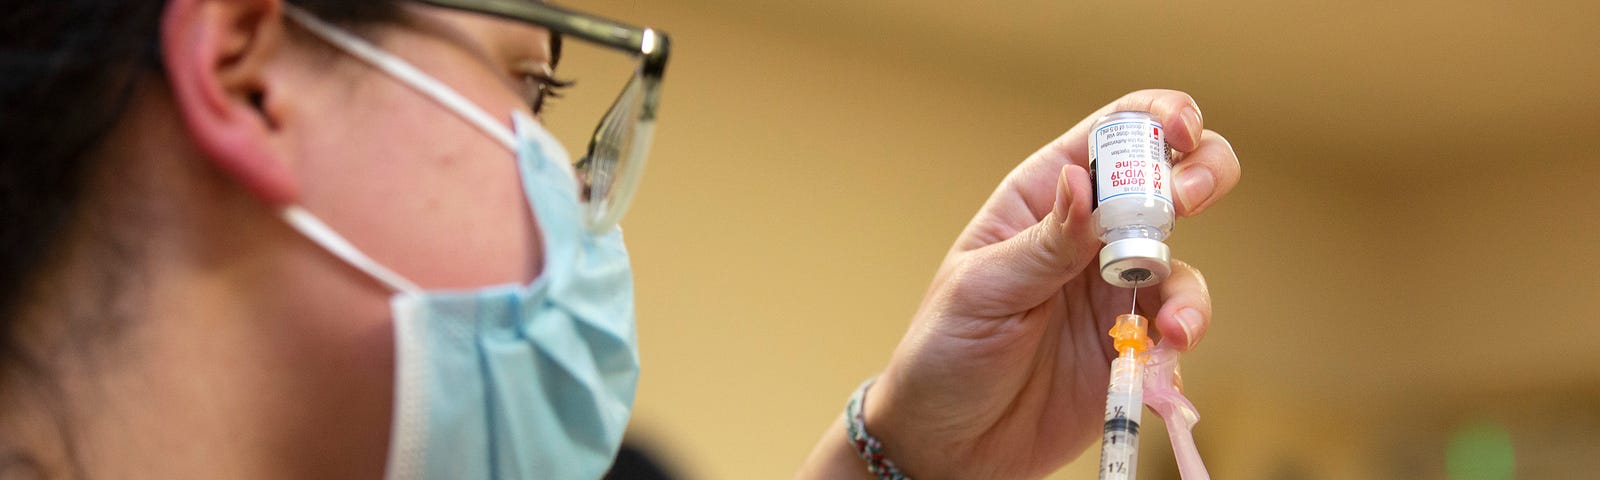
833, 458
864, 442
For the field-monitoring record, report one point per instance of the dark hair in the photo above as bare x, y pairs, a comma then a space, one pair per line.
67, 71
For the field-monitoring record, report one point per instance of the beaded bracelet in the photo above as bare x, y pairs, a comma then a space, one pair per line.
866, 446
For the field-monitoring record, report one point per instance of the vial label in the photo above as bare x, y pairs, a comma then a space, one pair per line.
1129, 157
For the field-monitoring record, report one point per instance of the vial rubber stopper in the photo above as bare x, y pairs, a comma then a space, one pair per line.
1130, 262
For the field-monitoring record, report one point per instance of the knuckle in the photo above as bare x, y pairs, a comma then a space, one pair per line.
1210, 136
1044, 250
1162, 95
1194, 274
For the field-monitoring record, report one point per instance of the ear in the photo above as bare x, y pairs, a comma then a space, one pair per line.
215, 54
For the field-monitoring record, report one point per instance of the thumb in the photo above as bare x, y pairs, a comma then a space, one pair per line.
1039, 260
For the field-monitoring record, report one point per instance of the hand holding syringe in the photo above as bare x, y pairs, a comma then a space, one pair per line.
1144, 376
1002, 372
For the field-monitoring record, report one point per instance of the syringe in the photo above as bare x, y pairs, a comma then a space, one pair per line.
1119, 451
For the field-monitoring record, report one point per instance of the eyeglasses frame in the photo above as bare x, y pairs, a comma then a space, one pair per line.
649, 45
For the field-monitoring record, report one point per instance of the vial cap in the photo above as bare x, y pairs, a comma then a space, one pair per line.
1135, 261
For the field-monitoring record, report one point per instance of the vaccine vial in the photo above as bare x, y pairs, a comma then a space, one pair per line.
1133, 211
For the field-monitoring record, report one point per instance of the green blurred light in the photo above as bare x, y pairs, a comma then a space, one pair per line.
1480, 450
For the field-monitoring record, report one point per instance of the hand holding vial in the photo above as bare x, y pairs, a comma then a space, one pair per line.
1003, 371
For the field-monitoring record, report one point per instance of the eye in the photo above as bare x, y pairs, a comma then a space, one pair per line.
537, 84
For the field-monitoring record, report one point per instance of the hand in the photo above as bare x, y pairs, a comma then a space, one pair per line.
1003, 372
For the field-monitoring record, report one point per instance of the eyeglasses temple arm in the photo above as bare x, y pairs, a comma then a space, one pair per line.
651, 44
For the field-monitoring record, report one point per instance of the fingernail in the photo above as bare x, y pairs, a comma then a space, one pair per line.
1190, 319
1063, 197
1195, 185
1191, 117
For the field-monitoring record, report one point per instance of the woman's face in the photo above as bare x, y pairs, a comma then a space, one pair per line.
407, 181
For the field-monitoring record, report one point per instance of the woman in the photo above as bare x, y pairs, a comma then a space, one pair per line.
329, 239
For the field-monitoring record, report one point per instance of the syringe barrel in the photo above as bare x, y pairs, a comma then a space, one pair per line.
1119, 448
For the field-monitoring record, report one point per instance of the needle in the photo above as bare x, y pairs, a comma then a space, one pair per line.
1135, 303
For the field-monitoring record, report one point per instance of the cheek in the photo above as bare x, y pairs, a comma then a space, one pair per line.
421, 191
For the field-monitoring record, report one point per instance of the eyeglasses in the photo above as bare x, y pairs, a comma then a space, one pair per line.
610, 171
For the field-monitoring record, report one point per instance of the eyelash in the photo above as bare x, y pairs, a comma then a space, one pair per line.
537, 88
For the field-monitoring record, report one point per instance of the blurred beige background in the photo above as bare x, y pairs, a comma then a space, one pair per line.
1406, 281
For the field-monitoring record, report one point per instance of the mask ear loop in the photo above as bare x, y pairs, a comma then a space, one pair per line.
405, 73
319, 232
313, 228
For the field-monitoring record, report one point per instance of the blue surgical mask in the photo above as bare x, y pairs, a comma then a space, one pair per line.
510, 381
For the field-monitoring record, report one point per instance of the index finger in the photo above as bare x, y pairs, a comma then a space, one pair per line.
1185, 306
